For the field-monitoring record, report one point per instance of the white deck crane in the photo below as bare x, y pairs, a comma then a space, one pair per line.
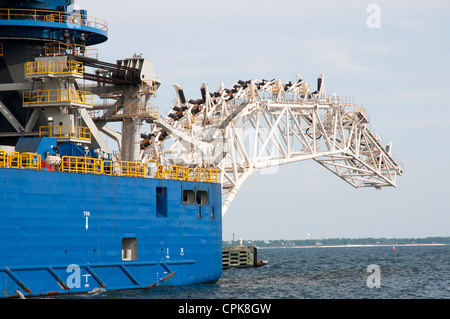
259, 124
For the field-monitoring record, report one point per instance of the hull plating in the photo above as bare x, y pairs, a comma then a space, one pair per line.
70, 233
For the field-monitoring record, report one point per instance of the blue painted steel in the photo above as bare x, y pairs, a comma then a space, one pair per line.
23, 26
71, 233
71, 149
50, 31
41, 145
63, 233
37, 4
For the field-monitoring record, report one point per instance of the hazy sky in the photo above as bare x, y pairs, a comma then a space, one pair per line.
399, 69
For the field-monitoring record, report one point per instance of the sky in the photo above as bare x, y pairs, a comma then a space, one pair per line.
390, 56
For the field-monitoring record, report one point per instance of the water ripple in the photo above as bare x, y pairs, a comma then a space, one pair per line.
323, 273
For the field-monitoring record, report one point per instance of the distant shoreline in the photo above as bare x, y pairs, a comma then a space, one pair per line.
354, 245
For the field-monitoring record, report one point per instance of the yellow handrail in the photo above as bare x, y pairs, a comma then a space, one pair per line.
172, 172
79, 164
14, 160
20, 160
136, 110
66, 131
3, 158
30, 160
108, 167
60, 48
207, 174
125, 168
1, 49
199, 174
52, 67
53, 16
89, 165
148, 87
57, 96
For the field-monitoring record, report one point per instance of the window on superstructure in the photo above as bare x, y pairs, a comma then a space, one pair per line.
188, 196
202, 197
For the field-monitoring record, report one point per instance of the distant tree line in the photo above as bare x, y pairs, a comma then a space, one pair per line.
340, 241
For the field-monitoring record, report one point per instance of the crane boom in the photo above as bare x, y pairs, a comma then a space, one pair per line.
261, 124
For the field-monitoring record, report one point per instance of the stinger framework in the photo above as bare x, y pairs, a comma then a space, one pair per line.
257, 124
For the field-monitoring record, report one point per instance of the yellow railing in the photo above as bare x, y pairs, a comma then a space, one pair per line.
52, 67
199, 174
108, 167
53, 16
136, 110
207, 174
89, 165
3, 158
174, 172
20, 160
137, 169
57, 96
14, 160
78, 164
1, 49
148, 87
60, 48
66, 131
30, 160
133, 169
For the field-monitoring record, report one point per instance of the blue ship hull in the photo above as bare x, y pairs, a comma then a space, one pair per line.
71, 233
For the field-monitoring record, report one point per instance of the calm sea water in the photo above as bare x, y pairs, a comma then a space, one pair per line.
322, 273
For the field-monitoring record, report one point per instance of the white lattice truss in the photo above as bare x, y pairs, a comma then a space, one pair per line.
261, 124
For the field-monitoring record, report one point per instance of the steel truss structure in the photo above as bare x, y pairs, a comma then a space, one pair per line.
261, 124
254, 124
